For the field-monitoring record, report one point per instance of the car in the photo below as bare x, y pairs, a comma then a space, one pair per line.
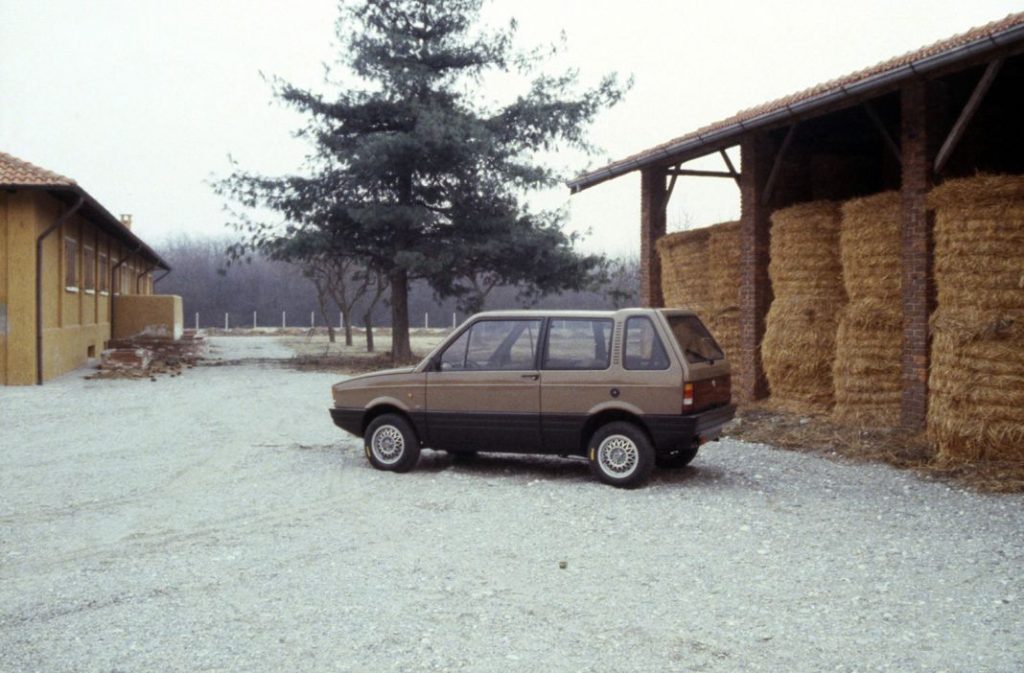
627, 390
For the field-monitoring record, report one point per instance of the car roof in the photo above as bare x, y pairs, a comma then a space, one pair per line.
559, 313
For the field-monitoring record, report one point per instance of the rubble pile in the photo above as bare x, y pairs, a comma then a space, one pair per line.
147, 356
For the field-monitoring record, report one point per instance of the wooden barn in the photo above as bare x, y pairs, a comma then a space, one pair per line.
880, 246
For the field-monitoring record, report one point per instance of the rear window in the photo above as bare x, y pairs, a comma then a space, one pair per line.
694, 339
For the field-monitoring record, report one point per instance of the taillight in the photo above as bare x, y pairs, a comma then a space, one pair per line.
687, 395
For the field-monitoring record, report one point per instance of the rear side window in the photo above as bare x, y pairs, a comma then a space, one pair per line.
694, 339
578, 343
494, 345
643, 349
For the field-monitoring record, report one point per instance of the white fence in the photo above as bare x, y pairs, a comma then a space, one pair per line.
301, 323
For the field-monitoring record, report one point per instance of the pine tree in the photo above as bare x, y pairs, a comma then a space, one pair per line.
416, 175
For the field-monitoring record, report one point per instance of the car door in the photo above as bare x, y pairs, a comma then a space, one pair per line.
484, 393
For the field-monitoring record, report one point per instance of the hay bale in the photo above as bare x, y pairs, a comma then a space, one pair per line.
867, 368
724, 276
684, 270
800, 332
976, 380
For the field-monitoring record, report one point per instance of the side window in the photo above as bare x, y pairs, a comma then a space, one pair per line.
454, 357
70, 263
643, 348
578, 343
494, 345
89, 269
104, 273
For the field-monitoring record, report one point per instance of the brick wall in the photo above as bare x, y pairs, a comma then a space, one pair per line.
755, 286
919, 111
652, 227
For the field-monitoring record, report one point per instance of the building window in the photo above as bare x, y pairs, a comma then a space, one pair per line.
104, 279
70, 264
88, 269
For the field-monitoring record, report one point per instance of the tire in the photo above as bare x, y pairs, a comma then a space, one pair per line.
391, 443
620, 454
674, 461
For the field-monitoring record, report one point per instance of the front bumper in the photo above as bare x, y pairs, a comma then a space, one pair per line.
349, 420
672, 433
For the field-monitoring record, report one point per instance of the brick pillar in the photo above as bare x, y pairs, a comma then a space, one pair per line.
755, 286
918, 139
652, 227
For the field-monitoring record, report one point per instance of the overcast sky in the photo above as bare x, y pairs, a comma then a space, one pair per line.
142, 101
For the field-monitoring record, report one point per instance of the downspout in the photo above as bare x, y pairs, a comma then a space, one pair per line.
39, 283
160, 278
112, 289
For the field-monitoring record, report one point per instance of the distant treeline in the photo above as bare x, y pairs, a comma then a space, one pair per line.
211, 287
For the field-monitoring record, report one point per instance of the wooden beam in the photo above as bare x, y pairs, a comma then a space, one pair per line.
893, 148
773, 175
671, 185
700, 174
957, 132
732, 169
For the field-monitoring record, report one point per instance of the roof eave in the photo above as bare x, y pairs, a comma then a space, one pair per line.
112, 223
869, 87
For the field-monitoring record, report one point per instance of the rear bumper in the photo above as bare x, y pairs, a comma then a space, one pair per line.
349, 420
672, 433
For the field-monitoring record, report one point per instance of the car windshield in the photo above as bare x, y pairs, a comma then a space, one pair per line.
694, 339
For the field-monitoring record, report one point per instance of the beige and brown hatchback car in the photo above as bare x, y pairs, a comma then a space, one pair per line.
628, 390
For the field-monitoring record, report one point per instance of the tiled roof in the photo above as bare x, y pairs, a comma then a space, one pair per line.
17, 173
14, 171
979, 35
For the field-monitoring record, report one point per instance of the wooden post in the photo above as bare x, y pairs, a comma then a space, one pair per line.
652, 227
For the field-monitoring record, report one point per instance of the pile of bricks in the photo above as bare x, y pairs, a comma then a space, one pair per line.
146, 356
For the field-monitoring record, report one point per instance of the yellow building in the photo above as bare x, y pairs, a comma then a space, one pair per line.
69, 271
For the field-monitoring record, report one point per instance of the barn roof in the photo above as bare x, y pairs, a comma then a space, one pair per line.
17, 173
853, 88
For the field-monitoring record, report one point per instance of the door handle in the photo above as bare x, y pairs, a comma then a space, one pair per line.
532, 377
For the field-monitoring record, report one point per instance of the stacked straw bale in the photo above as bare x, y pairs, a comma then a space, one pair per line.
976, 383
724, 277
800, 334
684, 270
866, 371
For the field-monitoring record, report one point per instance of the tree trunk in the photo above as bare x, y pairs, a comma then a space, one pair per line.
368, 321
348, 327
400, 349
322, 301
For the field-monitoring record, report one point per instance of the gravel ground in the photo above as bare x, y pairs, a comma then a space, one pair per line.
217, 521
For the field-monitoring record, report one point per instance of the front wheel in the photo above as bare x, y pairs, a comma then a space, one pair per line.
620, 454
391, 444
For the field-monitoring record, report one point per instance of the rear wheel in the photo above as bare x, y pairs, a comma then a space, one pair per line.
620, 454
680, 458
391, 444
